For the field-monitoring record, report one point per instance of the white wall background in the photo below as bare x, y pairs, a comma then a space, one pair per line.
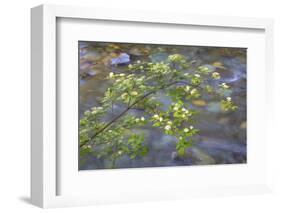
15, 98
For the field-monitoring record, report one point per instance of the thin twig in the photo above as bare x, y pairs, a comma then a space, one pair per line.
127, 109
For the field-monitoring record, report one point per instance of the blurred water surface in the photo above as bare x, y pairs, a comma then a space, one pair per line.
222, 135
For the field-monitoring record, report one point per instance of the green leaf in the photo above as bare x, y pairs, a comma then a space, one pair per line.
139, 87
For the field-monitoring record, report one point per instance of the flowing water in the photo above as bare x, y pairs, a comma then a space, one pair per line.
222, 137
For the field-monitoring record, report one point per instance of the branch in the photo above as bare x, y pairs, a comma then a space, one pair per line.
128, 108
136, 108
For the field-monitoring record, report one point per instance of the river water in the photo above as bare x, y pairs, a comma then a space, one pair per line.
222, 137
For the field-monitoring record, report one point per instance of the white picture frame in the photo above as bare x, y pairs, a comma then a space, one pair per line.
45, 168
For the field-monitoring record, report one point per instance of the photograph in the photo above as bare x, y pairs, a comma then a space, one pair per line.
161, 105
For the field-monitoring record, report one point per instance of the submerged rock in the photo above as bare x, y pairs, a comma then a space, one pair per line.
218, 65
123, 58
199, 156
199, 103
92, 73
84, 66
195, 155
217, 151
135, 51
92, 56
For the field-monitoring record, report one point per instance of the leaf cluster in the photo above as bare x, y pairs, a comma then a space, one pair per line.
141, 87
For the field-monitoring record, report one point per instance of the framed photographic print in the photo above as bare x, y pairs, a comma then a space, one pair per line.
130, 106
